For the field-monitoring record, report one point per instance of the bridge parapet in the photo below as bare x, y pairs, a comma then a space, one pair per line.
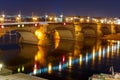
52, 26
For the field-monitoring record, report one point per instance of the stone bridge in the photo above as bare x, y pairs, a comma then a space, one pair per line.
67, 31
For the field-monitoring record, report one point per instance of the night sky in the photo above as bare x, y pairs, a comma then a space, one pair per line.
105, 8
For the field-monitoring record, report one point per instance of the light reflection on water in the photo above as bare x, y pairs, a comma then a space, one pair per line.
65, 58
97, 53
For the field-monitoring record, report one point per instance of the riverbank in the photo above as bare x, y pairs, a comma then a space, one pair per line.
20, 76
6, 74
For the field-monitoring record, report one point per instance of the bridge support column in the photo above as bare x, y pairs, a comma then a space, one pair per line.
78, 33
113, 28
99, 32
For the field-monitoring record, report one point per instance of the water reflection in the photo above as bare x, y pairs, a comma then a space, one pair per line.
17, 57
62, 56
8, 51
93, 55
97, 52
64, 45
80, 60
50, 68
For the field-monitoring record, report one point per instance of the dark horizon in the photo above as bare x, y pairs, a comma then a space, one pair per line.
69, 7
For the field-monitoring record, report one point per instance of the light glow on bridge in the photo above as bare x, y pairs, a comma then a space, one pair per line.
39, 34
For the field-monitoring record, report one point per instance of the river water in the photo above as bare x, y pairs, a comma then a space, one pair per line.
62, 59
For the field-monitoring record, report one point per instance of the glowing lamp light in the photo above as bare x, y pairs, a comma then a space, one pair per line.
80, 60
61, 15
66, 19
36, 24
2, 26
3, 15
1, 67
70, 61
18, 25
55, 18
23, 68
23, 25
35, 71
60, 67
50, 18
71, 19
39, 34
117, 21
81, 19
63, 59
1, 19
46, 16
49, 68
18, 70
64, 24
18, 18
35, 66
19, 15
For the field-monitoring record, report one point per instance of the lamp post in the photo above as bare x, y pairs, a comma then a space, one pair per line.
3, 15
55, 19
46, 16
18, 18
61, 16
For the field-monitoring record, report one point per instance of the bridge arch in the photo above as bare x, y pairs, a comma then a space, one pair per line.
27, 36
62, 33
117, 28
106, 30
89, 29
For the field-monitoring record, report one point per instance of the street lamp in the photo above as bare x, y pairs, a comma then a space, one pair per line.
55, 19
50, 18
81, 20
61, 16
1, 19
18, 18
34, 18
19, 15
3, 15
46, 16
72, 19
